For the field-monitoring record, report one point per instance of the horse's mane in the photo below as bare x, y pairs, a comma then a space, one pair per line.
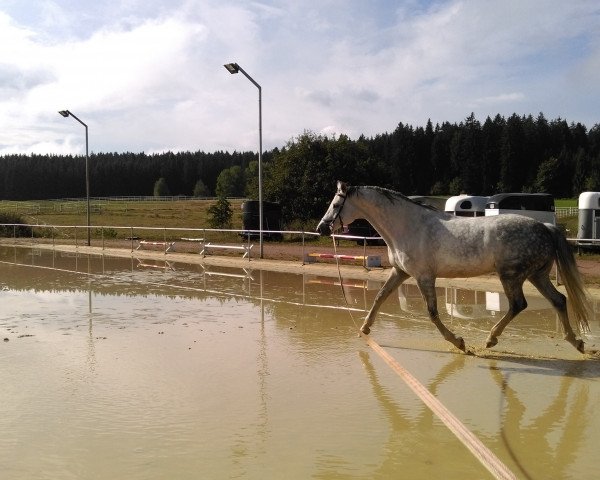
391, 195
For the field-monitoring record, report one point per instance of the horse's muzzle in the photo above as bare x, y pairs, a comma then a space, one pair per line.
324, 229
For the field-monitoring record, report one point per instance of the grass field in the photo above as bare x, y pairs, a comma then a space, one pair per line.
180, 213
184, 214
565, 202
117, 218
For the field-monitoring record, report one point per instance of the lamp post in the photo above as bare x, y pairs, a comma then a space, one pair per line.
235, 68
67, 113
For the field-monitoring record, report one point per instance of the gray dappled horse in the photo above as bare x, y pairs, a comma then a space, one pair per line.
425, 244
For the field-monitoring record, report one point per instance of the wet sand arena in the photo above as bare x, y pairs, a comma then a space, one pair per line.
115, 368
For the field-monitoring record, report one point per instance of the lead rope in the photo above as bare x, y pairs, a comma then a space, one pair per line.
482, 453
337, 262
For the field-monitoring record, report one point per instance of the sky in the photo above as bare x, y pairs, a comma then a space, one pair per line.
148, 75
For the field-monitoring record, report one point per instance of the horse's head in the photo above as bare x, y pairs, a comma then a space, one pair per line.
333, 218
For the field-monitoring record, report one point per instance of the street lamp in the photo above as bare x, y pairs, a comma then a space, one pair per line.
67, 113
235, 68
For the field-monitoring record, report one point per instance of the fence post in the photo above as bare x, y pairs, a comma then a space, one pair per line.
303, 255
248, 245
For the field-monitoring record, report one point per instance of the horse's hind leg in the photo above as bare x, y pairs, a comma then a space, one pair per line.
516, 303
396, 277
427, 288
542, 282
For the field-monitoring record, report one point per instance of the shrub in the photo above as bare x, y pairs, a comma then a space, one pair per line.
220, 214
107, 232
10, 230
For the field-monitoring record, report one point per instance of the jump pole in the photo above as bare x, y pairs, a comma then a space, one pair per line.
487, 458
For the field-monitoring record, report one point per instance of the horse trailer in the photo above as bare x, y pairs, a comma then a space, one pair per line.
466, 206
539, 206
589, 219
272, 224
362, 228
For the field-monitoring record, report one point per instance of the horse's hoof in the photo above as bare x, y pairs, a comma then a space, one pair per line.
366, 330
580, 346
491, 342
461, 344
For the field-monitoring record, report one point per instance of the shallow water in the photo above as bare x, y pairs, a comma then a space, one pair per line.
122, 368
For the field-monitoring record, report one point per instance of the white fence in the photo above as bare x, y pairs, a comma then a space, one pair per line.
105, 236
77, 204
196, 239
562, 212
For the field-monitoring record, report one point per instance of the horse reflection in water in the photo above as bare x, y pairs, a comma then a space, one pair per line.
425, 244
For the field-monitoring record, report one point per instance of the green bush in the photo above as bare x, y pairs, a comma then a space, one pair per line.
106, 232
220, 213
8, 229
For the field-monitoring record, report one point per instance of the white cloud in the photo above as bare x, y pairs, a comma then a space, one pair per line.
148, 75
119, 69
502, 98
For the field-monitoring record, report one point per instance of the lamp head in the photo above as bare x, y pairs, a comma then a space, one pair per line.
232, 67
64, 113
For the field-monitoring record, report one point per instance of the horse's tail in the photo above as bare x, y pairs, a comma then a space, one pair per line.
567, 269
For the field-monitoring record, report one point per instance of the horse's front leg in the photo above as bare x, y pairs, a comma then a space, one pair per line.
427, 287
513, 289
395, 279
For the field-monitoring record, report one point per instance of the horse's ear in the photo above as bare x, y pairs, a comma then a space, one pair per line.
342, 187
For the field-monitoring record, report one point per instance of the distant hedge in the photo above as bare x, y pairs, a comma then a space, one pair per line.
10, 230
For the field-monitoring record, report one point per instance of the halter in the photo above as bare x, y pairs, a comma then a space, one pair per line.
339, 211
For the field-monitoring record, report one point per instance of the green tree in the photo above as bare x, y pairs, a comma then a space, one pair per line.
594, 140
200, 189
512, 161
161, 189
581, 161
251, 176
297, 175
403, 160
548, 176
19, 229
439, 159
220, 214
490, 154
456, 186
466, 155
592, 181
302, 176
502, 154
230, 182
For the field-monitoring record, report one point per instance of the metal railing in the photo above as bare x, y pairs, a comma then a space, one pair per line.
562, 212
33, 205
195, 238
